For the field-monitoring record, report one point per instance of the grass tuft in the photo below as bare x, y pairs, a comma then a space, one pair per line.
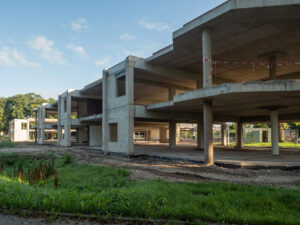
107, 192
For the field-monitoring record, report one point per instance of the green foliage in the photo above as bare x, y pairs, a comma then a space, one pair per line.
6, 144
106, 192
19, 107
268, 144
67, 158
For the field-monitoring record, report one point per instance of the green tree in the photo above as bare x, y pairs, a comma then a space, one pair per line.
19, 107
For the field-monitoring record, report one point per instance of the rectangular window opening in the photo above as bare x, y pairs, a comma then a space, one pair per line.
65, 105
113, 132
121, 86
24, 126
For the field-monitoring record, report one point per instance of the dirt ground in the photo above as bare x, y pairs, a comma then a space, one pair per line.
143, 167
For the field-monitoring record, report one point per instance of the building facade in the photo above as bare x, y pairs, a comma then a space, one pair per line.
236, 63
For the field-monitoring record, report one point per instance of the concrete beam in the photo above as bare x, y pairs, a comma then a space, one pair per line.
167, 72
161, 84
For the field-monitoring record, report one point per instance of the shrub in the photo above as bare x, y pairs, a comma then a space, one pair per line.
67, 159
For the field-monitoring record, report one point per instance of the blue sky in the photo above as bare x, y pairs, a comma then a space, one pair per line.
47, 47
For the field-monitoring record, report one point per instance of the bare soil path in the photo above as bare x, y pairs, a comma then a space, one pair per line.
143, 168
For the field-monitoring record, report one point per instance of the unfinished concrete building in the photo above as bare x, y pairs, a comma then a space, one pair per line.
236, 63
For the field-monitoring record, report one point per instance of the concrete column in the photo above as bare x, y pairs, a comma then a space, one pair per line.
105, 128
223, 134
273, 67
200, 134
35, 124
172, 134
28, 128
163, 135
208, 133
207, 58
172, 92
274, 132
59, 111
130, 98
239, 135
68, 121
41, 124
177, 132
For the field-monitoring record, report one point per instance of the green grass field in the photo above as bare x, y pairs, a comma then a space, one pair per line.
107, 192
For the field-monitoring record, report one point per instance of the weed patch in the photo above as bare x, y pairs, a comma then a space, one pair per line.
108, 192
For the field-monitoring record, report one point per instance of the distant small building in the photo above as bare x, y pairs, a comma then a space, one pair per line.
25, 130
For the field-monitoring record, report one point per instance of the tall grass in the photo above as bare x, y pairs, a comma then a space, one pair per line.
6, 144
106, 192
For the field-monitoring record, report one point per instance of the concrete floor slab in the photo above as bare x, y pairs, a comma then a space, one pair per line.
229, 157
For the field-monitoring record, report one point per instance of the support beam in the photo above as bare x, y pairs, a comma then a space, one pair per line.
274, 132
200, 134
272, 67
223, 134
59, 113
239, 135
172, 134
105, 127
163, 84
207, 59
67, 125
130, 99
208, 133
35, 129
172, 93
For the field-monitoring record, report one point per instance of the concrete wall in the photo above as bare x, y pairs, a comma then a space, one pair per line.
83, 136
81, 109
16, 132
153, 132
95, 135
119, 110
64, 115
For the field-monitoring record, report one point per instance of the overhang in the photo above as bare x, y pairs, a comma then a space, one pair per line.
244, 34
246, 99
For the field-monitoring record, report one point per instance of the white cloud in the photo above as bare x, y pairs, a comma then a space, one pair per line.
143, 49
19, 57
79, 24
77, 49
103, 62
5, 58
47, 50
127, 36
10, 57
157, 26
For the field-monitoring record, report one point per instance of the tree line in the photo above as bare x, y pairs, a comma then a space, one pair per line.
19, 107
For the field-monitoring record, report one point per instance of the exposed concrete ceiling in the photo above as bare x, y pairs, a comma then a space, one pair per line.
150, 87
94, 89
239, 34
239, 100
